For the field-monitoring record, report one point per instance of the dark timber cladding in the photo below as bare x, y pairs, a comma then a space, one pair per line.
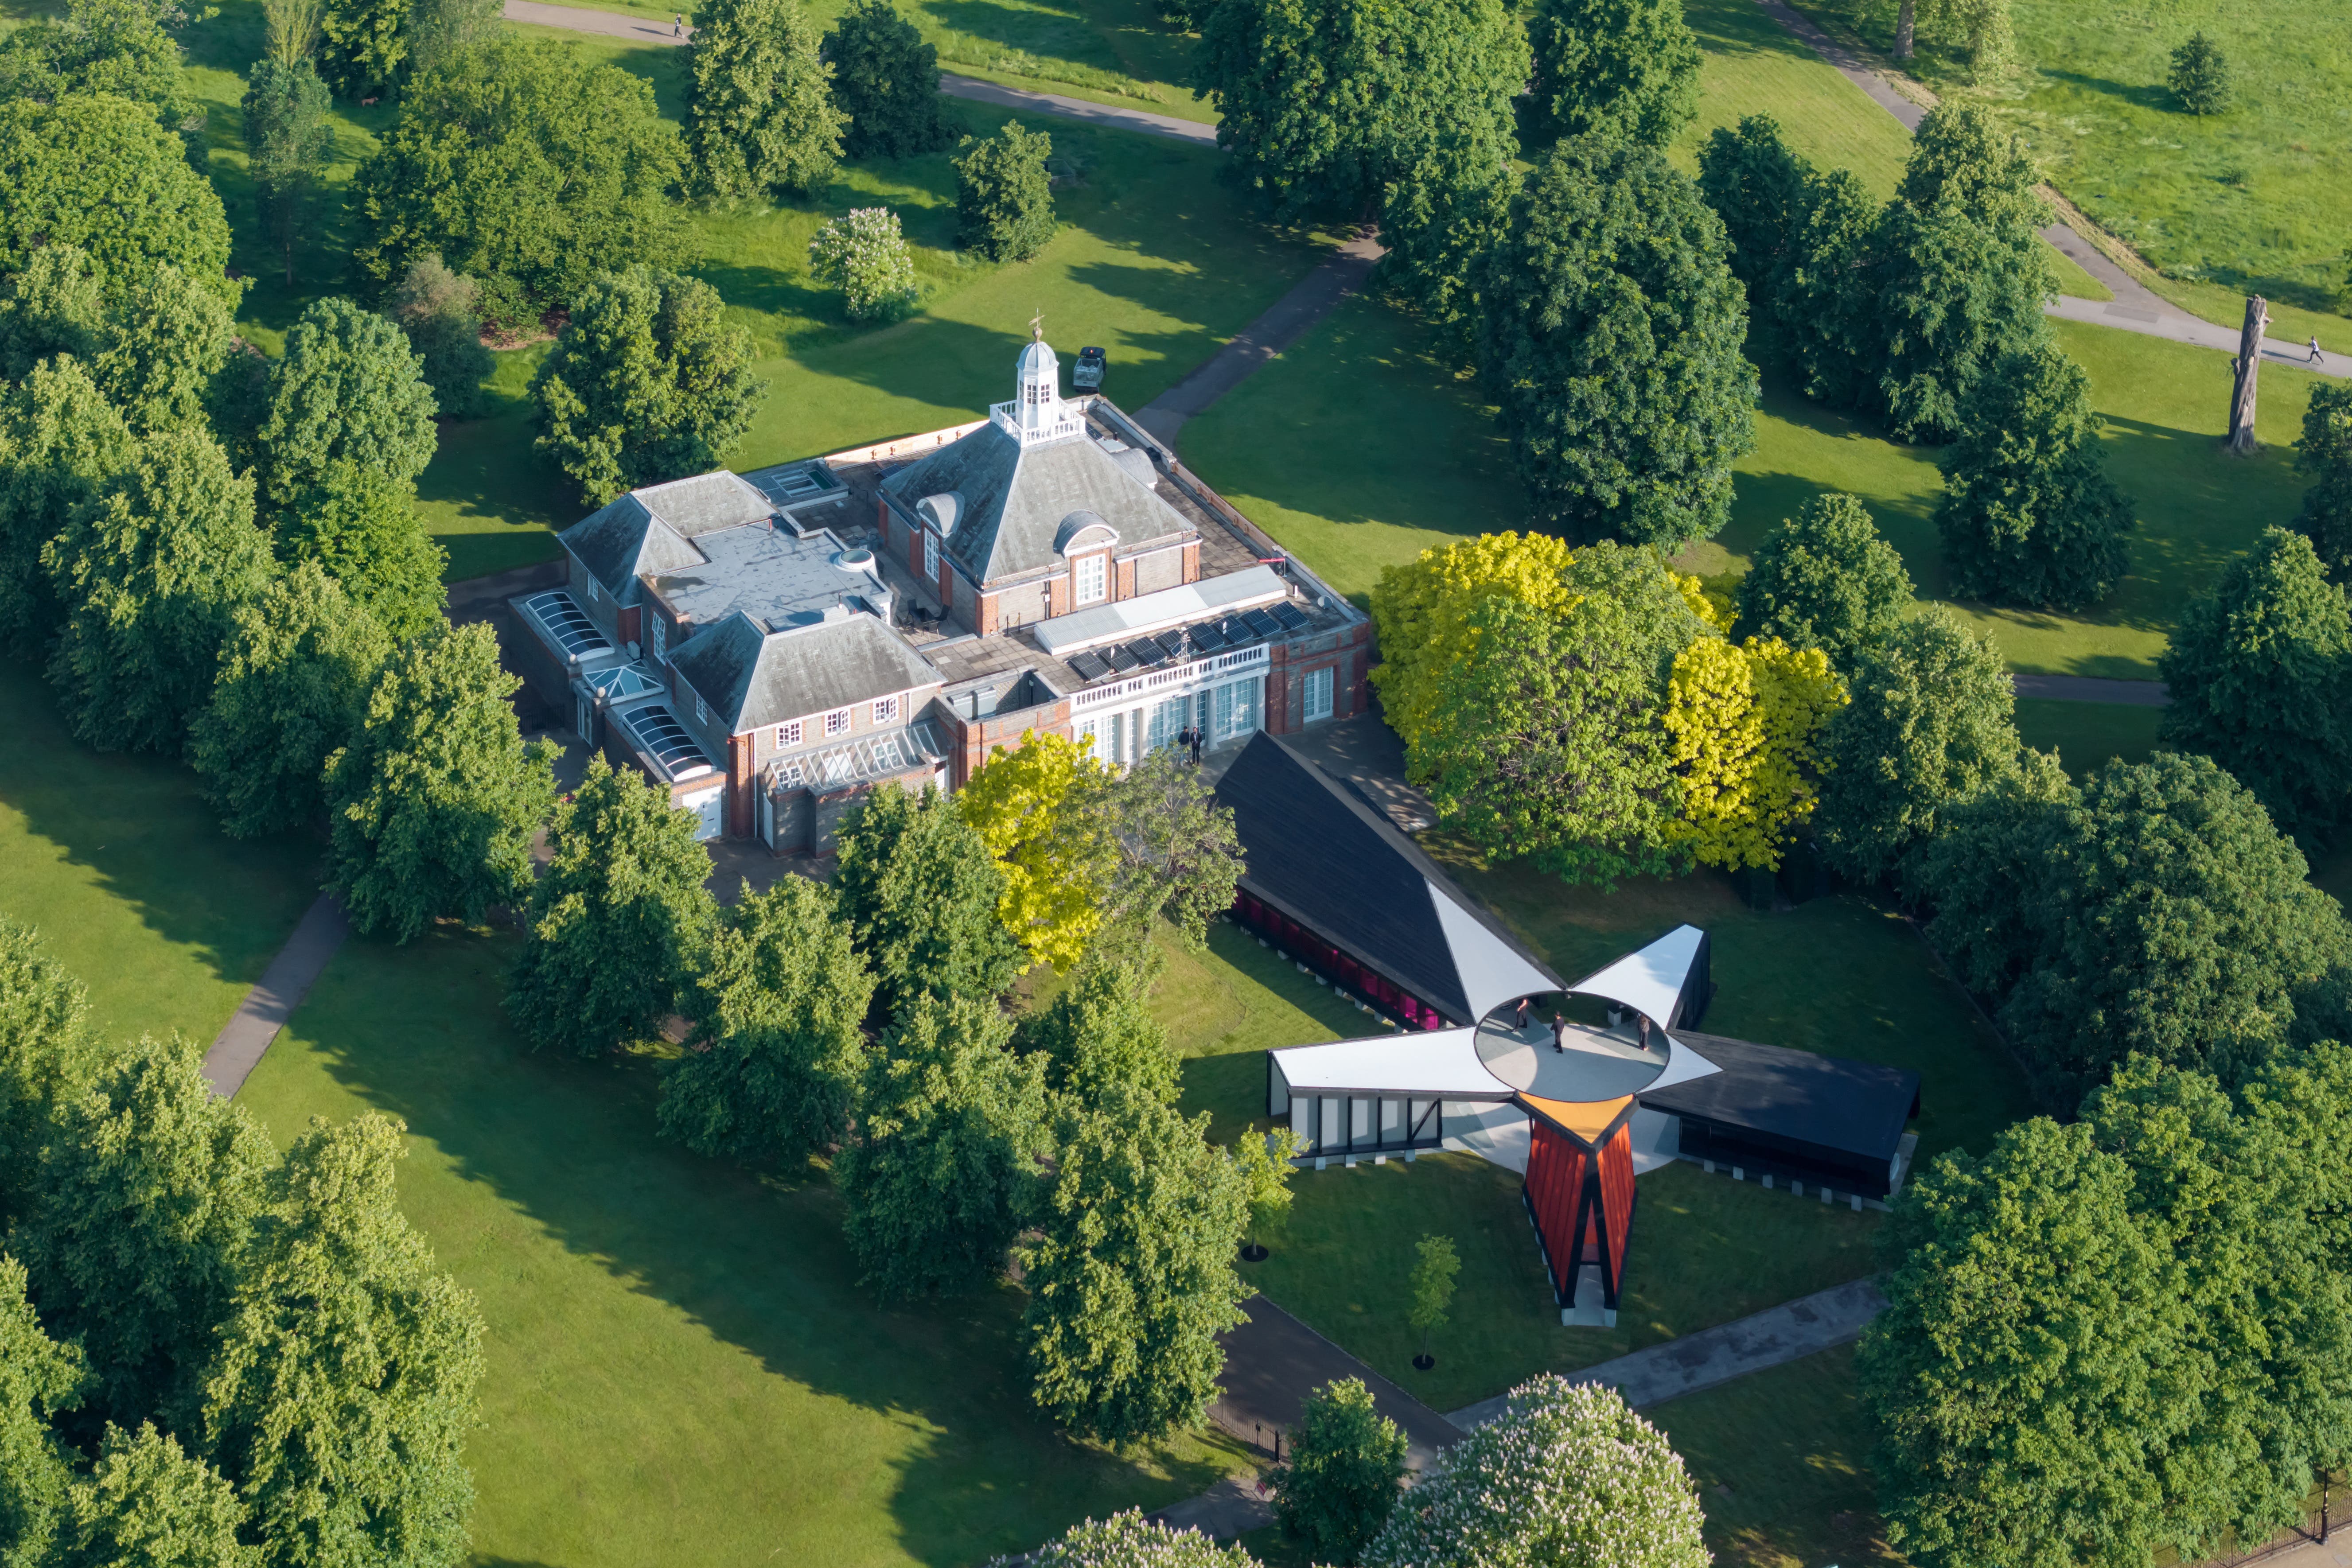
1792, 1113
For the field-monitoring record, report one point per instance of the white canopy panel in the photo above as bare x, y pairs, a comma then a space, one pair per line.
1440, 1063
1491, 971
1682, 1064
1649, 982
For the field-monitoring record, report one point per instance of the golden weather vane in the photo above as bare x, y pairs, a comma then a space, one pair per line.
1038, 326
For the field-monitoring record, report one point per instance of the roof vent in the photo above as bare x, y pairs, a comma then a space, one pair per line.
858, 560
940, 512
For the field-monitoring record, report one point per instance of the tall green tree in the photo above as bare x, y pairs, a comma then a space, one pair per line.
1612, 341
648, 383
2260, 672
151, 1189
1441, 212
886, 83
1983, 873
149, 1504
1004, 199
1176, 856
1825, 310
1932, 723
919, 891
1101, 1029
289, 139
2174, 920
1130, 1541
361, 44
119, 47
2324, 455
1347, 1467
96, 171
1613, 1491
342, 1392
361, 527
2029, 514
434, 33
435, 801
776, 996
527, 167
62, 443
1622, 69
1131, 1277
294, 679
39, 1380
1758, 187
614, 918
759, 115
1324, 105
441, 312
161, 350
51, 307
47, 1057
1962, 157
1824, 579
151, 577
2029, 1373
347, 390
938, 1179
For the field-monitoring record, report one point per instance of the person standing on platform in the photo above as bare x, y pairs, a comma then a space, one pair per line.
1558, 1034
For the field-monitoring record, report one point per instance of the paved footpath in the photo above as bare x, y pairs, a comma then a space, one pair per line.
238, 1047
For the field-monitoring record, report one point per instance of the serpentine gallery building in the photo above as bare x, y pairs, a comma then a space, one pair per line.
1471, 1058
769, 646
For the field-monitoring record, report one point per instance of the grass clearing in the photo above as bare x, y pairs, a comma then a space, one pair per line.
679, 1363
129, 878
2085, 735
2252, 201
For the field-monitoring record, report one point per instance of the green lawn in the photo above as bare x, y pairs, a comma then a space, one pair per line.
680, 1365
2086, 734
2252, 201
128, 877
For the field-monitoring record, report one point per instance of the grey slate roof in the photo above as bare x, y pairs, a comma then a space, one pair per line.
648, 530
772, 574
1014, 500
750, 676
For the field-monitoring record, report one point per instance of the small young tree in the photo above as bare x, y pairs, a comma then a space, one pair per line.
1131, 1277
1262, 1159
613, 920
341, 1392
776, 997
1004, 201
361, 529
435, 801
2260, 672
361, 44
919, 893
148, 1501
1130, 1541
151, 577
348, 390
2028, 515
951, 1124
294, 679
441, 312
759, 115
150, 1190
1824, 579
2323, 457
864, 255
1435, 1265
1179, 860
2200, 76
289, 139
1040, 810
886, 82
1346, 1466
1622, 68
1612, 339
647, 384
66, 443
1932, 723
1612, 1491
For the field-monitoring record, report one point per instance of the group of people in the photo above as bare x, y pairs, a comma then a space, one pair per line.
1189, 741
1559, 1025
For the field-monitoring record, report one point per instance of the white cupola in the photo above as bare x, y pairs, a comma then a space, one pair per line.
1037, 412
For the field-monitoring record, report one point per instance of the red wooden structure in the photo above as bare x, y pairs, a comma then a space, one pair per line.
1579, 1190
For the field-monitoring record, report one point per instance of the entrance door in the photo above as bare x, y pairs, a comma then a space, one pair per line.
710, 808
584, 717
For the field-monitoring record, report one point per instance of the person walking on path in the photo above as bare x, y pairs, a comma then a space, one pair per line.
2316, 357
678, 25
1559, 1034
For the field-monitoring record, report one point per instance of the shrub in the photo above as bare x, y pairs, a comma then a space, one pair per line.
866, 257
1347, 1463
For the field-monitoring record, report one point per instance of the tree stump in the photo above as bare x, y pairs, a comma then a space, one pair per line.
2248, 367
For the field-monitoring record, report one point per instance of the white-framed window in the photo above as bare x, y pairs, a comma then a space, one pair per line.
660, 633
593, 590
1093, 573
930, 558
837, 722
788, 735
1319, 694
702, 710
886, 710
1238, 706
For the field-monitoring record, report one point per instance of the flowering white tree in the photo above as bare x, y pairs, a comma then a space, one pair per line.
866, 257
1566, 1476
1130, 1541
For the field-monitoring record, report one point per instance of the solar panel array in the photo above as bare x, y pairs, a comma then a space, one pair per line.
663, 737
1173, 646
567, 622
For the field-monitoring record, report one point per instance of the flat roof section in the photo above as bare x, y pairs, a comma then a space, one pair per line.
1849, 1112
1169, 610
778, 578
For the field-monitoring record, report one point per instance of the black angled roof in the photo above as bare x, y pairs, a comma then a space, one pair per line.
1816, 1106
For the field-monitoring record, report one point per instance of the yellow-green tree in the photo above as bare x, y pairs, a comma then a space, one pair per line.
1745, 719
1424, 614
1031, 808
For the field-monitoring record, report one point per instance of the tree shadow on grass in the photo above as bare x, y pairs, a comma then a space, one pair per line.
2140, 95
758, 1261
